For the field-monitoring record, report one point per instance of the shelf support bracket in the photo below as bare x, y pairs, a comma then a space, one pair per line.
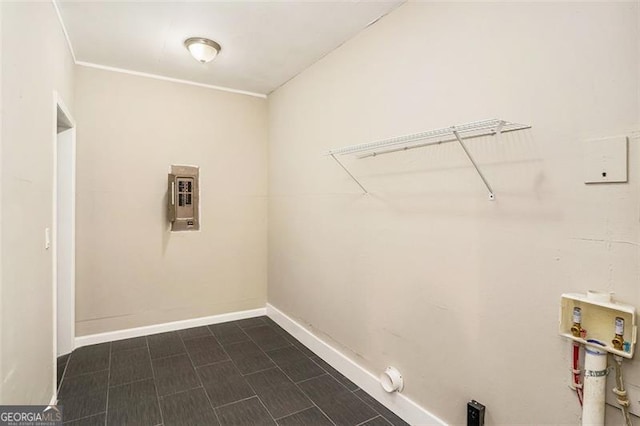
466, 151
349, 173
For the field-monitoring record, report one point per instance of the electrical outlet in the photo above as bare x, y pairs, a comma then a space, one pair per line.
633, 393
475, 413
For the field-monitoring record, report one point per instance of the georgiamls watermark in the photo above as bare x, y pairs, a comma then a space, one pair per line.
30, 415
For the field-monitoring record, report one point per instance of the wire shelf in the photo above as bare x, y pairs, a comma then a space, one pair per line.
446, 134
455, 133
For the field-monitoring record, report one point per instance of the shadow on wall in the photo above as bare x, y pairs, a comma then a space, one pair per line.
166, 226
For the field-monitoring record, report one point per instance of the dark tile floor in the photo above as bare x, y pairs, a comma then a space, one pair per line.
247, 372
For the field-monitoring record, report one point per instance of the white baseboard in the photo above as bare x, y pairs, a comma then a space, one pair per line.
396, 402
111, 336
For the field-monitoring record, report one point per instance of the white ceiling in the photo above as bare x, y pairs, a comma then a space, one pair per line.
264, 44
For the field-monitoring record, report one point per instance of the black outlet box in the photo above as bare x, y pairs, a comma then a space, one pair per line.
475, 413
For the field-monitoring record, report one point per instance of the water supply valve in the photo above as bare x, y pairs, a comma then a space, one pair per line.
618, 340
576, 328
596, 311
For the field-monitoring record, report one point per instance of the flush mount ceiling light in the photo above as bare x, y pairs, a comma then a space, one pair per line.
202, 49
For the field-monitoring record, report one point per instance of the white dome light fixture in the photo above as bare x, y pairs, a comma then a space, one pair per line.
202, 49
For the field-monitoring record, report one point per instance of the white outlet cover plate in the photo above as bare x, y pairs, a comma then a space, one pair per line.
605, 160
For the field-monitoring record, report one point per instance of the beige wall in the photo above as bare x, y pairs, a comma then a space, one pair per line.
131, 271
35, 62
459, 293
1, 204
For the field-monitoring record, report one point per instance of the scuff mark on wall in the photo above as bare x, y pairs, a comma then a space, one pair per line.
599, 240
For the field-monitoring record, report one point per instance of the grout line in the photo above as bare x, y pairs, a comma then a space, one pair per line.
168, 356
87, 373
314, 377
267, 410
235, 402
294, 384
371, 406
294, 413
182, 391
132, 382
337, 379
195, 371
155, 384
260, 400
206, 327
251, 326
211, 363
314, 403
368, 420
196, 337
241, 375
64, 371
128, 350
106, 404
85, 417
244, 341
311, 378
260, 371
276, 366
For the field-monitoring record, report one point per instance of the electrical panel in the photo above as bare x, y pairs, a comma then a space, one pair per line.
184, 198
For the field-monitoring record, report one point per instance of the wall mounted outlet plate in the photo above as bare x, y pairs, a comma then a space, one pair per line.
605, 160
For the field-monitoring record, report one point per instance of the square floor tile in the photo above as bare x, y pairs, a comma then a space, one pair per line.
312, 416
88, 359
248, 357
224, 383
84, 395
335, 373
228, 333
174, 374
339, 404
189, 408
247, 412
202, 343
267, 338
127, 344
165, 344
295, 364
205, 350
191, 333
130, 366
279, 394
134, 404
389, 415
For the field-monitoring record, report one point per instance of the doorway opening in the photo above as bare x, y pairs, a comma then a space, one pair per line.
63, 235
